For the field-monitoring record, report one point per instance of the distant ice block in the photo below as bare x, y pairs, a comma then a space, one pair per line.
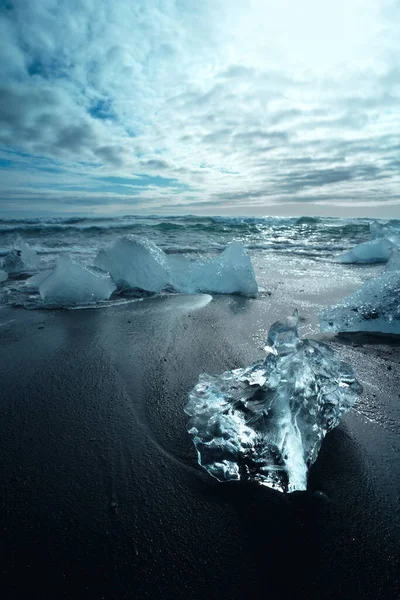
384, 239
21, 259
265, 423
385, 230
3, 275
71, 284
135, 263
229, 273
375, 307
374, 251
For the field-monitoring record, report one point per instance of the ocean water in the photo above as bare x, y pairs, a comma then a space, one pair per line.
284, 251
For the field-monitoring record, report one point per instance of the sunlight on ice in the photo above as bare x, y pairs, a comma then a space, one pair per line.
265, 423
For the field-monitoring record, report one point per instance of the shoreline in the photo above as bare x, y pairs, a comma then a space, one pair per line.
102, 496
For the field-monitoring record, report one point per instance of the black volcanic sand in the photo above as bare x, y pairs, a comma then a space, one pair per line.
101, 496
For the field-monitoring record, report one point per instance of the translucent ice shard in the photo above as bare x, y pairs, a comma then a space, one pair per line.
375, 307
229, 273
3, 275
265, 423
135, 263
71, 284
21, 259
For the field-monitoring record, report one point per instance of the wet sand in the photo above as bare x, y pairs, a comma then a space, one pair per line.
101, 496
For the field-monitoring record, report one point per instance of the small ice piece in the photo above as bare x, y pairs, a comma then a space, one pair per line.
265, 423
71, 284
374, 251
229, 273
21, 259
135, 263
375, 307
3, 275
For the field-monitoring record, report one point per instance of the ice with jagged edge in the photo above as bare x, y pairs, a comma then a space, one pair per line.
229, 273
384, 240
375, 307
3, 275
135, 263
71, 284
265, 423
21, 259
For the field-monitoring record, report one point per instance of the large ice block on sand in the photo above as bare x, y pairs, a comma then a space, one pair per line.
265, 423
375, 307
374, 251
135, 263
71, 284
3, 275
21, 259
229, 273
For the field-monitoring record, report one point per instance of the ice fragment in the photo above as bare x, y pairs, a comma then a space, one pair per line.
71, 284
265, 423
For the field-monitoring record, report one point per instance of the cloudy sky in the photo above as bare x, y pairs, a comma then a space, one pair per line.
207, 106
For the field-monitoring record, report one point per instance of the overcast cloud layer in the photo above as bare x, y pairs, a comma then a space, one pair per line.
216, 106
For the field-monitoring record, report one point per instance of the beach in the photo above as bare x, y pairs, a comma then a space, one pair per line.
101, 493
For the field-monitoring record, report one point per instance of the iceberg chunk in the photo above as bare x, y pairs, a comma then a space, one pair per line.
139, 264
384, 230
21, 259
384, 238
375, 307
71, 284
265, 423
3, 275
374, 251
229, 273
135, 263
34, 281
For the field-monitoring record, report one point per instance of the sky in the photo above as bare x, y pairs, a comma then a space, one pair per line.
203, 107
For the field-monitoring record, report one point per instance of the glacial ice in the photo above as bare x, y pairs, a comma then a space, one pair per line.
375, 307
3, 275
71, 284
229, 273
384, 239
21, 259
265, 423
384, 230
34, 281
135, 263
374, 251
394, 262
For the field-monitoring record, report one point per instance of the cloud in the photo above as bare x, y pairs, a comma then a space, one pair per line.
230, 102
